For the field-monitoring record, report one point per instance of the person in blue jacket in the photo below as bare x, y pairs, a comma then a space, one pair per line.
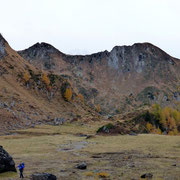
21, 168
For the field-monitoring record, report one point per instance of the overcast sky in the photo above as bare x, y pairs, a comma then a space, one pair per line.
88, 26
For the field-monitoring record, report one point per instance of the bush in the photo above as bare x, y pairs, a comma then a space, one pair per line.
149, 127
89, 174
66, 91
103, 174
45, 79
98, 108
26, 77
106, 128
68, 94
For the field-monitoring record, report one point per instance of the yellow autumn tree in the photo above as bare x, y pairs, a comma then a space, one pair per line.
170, 133
45, 79
176, 116
149, 127
168, 119
80, 97
26, 77
68, 94
158, 131
98, 108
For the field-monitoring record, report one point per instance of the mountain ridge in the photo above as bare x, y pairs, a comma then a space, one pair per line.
114, 75
50, 46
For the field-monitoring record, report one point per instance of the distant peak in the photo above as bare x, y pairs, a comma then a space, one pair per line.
42, 45
145, 47
38, 47
39, 50
143, 44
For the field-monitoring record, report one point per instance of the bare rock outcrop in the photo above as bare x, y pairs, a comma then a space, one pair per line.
2, 47
6, 161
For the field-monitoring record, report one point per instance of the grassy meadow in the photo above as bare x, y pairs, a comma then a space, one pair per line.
58, 149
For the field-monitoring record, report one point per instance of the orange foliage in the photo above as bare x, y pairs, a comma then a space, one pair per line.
168, 118
98, 108
80, 97
68, 94
149, 127
158, 131
26, 76
171, 133
102, 174
45, 79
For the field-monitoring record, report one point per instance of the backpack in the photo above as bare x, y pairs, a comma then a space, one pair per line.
20, 167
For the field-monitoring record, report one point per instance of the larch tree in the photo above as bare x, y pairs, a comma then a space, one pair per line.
26, 78
46, 80
68, 94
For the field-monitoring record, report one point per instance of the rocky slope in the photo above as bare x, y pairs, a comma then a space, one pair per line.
124, 79
25, 98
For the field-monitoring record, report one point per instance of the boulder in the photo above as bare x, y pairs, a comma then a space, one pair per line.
147, 176
43, 176
82, 166
59, 121
6, 161
132, 134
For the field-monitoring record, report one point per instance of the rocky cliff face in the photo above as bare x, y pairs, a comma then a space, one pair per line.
125, 78
41, 52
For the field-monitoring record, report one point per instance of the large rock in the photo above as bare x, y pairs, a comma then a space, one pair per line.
59, 121
6, 161
81, 166
147, 176
43, 176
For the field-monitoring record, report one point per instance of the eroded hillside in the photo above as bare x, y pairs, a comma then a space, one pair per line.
29, 96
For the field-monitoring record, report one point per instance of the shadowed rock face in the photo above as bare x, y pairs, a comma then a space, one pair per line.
124, 78
39, 51
6, 161
2, 47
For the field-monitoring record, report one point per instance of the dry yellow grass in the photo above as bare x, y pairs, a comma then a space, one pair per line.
121, 157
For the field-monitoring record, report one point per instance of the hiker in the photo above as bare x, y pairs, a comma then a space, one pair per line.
21, 168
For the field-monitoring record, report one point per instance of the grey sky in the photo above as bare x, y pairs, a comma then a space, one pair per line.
87, 26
